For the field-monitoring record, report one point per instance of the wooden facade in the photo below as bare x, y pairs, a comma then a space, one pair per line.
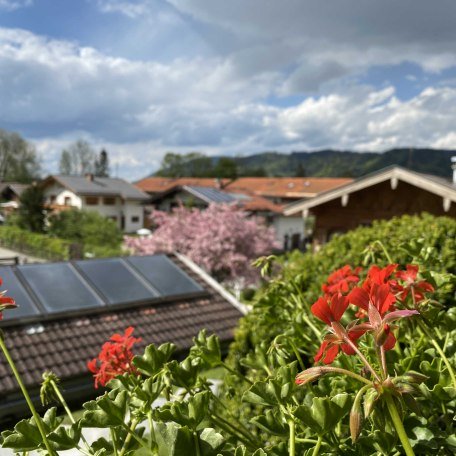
376, 202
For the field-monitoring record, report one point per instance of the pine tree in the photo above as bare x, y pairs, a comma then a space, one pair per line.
102, 164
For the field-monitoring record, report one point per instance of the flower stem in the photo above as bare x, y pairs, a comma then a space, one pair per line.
384, 250
152, 431
439, 350
317, 446
67, 410
131, 433
32, 408
291, 446
197, 445
114, 443
238, 374
363, 359
398, 425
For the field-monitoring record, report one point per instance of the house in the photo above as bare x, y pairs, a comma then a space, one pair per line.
113, 198
262, 196
277, 189
390, 192
10, 193
68, 310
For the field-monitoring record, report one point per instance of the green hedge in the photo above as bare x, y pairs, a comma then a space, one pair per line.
48, 247
34, 244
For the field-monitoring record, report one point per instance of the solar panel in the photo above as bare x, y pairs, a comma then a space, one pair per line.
116, 280
59, 287
25, 305
164, 275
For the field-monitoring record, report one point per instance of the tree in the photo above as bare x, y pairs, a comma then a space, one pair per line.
193, 164
66, 163
102, 164
18, 159
86, 227
226, 168
78, 159
222, 239
31, 211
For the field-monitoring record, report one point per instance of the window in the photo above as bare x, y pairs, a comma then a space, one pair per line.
67, 201
109, 200
91, 200
113, 217
52, 199
135, 219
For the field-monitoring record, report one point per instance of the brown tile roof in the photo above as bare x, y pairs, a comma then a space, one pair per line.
281, 187
286, 187
65, 345
163, 184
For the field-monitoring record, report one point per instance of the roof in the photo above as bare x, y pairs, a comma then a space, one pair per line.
65, 344
163, 184
433, 184
248, 202
102, 186
15, 187
210, 195
285, 187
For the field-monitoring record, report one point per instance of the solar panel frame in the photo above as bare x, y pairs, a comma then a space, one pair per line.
36, 285
16, 289
195, 290
84, 266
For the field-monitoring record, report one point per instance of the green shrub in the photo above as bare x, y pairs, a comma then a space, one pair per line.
34, 244
85, 227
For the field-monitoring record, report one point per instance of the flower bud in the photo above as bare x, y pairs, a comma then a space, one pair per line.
309, 375
356, 421
415, 377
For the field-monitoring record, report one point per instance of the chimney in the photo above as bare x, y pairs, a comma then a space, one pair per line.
218, 181
89, 177
453, 166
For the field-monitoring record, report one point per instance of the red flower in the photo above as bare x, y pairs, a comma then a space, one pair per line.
379, 276
5, 301
333, 343
341, 280
115, 358
377, 303
329, 309
409, 277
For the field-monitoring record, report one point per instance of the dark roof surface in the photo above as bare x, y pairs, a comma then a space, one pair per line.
112, 186
64, 345
210, 195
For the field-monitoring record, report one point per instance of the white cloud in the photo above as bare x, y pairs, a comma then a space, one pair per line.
11, 5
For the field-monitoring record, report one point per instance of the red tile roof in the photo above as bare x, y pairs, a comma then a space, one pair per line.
281, 187
286, 187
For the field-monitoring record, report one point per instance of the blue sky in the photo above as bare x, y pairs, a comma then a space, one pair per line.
147, 76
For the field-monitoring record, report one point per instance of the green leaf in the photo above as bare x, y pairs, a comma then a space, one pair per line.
324, 413
207, 348
174, 440
108, 410
271, 422
65, 438
188, 413
25, 437
154, 358
184, 374
210, 441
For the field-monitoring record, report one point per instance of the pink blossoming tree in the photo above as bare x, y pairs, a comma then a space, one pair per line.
221, 239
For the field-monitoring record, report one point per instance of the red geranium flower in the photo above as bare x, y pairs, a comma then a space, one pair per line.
341, 280
5, 301
115, 358
410, 283
330, 311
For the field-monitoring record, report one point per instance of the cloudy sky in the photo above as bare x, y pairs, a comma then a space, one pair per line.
142, 77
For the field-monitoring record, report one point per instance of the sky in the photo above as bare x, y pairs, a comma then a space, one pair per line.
237, 77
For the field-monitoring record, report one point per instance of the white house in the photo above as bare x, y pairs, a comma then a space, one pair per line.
111, 197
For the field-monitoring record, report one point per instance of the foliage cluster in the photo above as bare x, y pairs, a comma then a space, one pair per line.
195, 164
222, 239
80, 158
324, 163
88, 228
34, 244
31, 213
18, 159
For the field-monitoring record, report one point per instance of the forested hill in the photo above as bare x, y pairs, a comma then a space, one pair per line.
348, 164
329, 163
